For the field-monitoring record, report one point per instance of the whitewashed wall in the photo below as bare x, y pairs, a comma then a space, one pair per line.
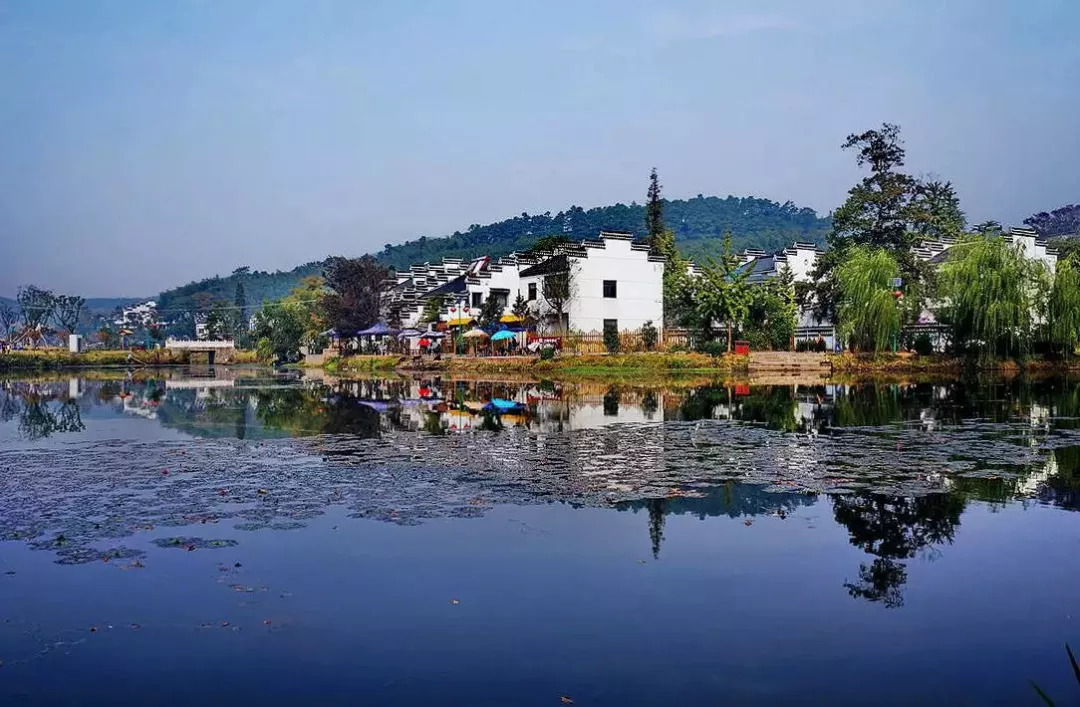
640, 289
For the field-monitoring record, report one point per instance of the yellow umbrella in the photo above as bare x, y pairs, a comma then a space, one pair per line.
461, 321
511, 319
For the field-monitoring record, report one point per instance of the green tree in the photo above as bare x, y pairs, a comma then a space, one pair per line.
882, 211
240, 303
219, 321
991, 296
1064, 221
1063, 308
433, 307
678, 283
279, 332
721, 294
649, 335
611, 337
353, 296
868, 312
521, 307
306, 301
935, 210
771, 314
654, 210
558, 289
490, 312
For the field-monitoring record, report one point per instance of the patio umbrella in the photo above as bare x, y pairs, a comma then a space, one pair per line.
377, 329
502, 335
475, 334
461, 321
511, 319
503, 405
409, 333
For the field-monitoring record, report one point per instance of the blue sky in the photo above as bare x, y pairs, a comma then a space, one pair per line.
146, 144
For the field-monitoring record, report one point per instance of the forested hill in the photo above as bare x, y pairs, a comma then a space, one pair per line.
699, 225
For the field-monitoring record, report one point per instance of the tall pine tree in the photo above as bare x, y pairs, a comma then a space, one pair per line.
654, 209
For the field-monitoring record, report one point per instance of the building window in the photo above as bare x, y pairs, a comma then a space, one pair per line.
610, 289
611, 324
532, 291
477, 299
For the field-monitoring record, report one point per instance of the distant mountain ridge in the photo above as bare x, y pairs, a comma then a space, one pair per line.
94, 305
699, 225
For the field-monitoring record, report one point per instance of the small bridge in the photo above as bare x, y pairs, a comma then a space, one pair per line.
226, 349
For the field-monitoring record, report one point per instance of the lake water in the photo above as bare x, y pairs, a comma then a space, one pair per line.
245, 537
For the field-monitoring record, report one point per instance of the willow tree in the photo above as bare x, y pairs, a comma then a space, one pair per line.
1063, 308
868, 311
992, 296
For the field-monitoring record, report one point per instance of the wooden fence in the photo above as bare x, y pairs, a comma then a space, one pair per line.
629, 341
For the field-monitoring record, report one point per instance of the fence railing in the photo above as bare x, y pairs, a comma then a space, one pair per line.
629, 341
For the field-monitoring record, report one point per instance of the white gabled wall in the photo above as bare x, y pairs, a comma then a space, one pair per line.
639, 288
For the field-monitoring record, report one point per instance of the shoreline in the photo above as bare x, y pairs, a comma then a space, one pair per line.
761, 368
61, 359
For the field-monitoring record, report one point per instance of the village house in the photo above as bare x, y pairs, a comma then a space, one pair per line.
607, 282
801, 259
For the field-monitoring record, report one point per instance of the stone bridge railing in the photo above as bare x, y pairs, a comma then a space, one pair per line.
197, 345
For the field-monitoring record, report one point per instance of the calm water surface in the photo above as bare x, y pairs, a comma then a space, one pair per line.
241, 537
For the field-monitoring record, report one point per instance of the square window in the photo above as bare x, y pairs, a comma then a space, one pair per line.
532, 291
609, 288
611, 324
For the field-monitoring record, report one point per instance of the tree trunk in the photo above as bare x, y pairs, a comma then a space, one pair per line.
729, 334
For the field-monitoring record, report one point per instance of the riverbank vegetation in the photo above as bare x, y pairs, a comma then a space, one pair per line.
52, 358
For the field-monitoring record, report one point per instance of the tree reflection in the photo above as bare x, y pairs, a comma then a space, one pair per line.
656, 508
894, 529
37, 420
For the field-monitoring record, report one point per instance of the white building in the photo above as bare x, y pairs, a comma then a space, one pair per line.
136, 315
612, 282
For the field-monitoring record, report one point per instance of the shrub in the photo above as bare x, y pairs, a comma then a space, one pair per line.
547, 353
611, 339
649, 335
713, 348
818, 345
922, 345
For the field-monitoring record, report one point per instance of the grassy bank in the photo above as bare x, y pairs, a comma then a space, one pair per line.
638, 364
848, 363
361, 364
48, 359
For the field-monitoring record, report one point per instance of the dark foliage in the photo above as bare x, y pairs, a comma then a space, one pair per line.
698, 223
1064, 221
649, 335
893, 530
355, 290
611, 338
654, 209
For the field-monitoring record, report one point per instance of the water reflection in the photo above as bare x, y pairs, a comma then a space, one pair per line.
894, 530
40, 410
897, 464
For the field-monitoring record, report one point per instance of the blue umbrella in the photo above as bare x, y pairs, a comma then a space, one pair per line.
503, 405
502, 335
